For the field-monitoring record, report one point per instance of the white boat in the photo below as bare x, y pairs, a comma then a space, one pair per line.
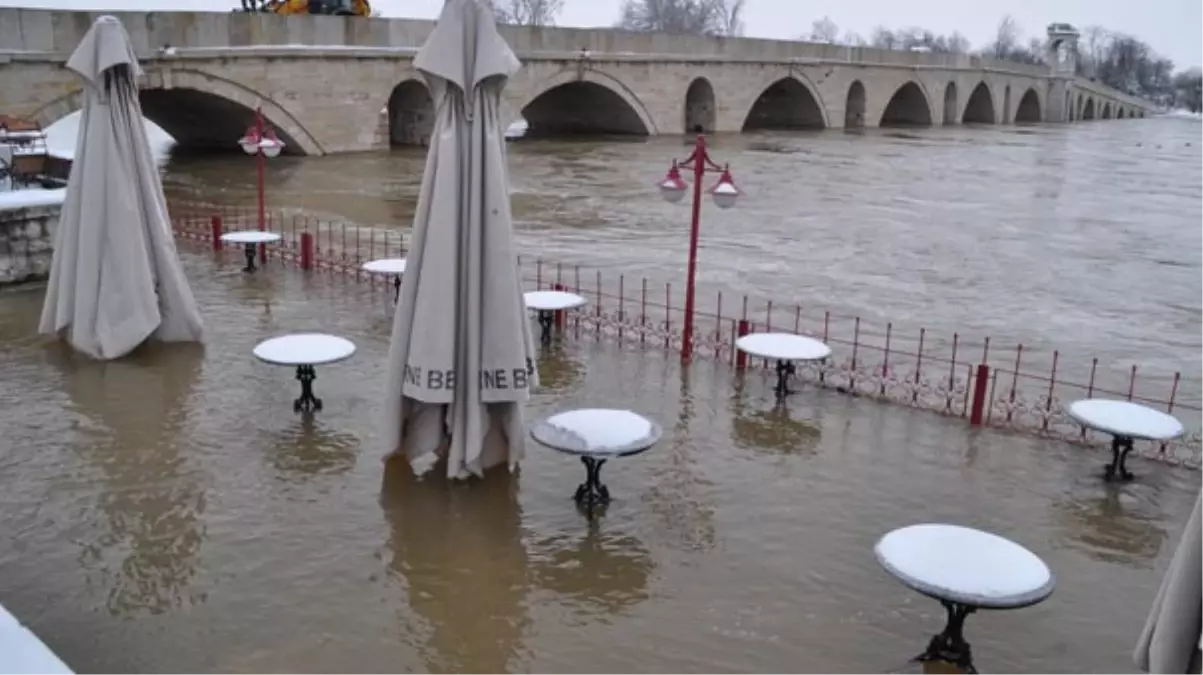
22, 652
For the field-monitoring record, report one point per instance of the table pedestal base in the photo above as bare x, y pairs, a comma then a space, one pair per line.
1120, 447
251, 249
784, 370
547, 319
307, 402
396, 288
592, 493
950, 645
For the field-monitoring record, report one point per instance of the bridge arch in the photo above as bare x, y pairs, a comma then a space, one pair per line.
979, 109
950, 103
787, 103
1106, 111
854, 106
200, 111
908, 107
1088, 108
1029, 111
1119, 113
410, 112
585, 102
700, 107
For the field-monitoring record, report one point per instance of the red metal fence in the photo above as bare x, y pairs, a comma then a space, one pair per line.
1010, 388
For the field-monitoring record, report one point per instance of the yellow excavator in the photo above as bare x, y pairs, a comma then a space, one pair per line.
326, 7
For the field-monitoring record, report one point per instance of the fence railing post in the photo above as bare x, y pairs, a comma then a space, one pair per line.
215, 224
980, 382
741, 357
306, 250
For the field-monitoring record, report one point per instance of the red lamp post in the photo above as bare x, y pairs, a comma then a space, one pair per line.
260, 140
724, 193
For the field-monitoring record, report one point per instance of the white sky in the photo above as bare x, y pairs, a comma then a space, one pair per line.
1172, 27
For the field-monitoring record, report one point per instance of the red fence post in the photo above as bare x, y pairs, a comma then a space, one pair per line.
215, 223
980, 382
559, 314
306, 251
741, 357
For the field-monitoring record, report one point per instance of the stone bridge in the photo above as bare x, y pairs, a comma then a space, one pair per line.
344, 84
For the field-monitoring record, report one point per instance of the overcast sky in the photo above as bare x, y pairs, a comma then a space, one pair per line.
1172, 27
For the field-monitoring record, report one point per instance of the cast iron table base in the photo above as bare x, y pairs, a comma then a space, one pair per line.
592, 492
307, 402
251, 250
547, 319
950, 645
1120, 447
784, 370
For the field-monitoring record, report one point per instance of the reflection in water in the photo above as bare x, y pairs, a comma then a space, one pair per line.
1111, 527
151, 496
676, 495
458, 548
310, 447
773, 428
557, 369
608, 571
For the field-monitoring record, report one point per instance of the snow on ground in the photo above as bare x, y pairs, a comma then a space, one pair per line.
61, 137
23, 199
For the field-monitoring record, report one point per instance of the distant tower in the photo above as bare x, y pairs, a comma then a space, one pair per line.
1062, 59
1062, 49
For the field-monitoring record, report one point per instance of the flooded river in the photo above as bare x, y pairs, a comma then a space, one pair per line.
1081, 238
172, 513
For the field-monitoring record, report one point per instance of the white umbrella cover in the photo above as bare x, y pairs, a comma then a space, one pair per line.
1171, 640
461, 358
115, 279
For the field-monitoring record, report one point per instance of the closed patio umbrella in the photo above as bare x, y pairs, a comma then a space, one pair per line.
461, 358
1171, 639
115, 279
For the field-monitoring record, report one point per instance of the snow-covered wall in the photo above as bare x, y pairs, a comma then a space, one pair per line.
28, 220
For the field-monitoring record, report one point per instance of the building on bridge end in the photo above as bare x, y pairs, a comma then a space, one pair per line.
341, 84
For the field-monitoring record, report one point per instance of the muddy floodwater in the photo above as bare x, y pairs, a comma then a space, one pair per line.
1079, 238
171, 513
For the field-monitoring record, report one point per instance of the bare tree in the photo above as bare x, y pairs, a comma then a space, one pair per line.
854, 39
824, 30
883, 38
731, 17
1095, 40
528, 12
698, 17
957, 43
1005, 38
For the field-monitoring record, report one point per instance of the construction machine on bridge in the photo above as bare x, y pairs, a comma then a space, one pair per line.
325, 7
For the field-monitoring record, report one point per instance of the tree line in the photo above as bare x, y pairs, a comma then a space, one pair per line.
1115, 59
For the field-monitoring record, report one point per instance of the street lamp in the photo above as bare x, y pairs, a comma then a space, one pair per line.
725, 194
260, 140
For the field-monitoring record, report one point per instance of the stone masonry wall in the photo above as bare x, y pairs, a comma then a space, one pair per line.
26, 242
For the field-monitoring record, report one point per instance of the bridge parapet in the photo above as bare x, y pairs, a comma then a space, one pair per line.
58, 31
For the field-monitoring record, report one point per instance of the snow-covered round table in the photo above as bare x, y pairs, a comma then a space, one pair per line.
965, 570
596, 435
305, 350
1125, 421
393, 266
252, 239
547, 303
784, 348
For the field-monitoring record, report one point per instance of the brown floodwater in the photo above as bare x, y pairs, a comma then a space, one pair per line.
171, 513
1080, 238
